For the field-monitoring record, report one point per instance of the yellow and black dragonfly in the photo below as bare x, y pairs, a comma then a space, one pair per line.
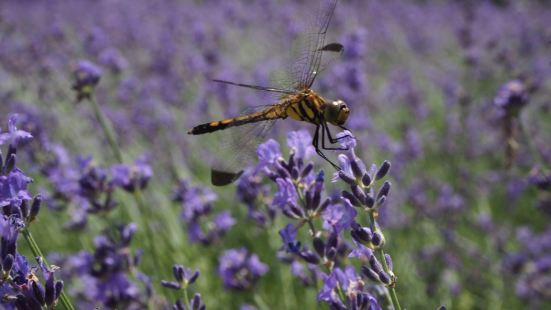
298, 102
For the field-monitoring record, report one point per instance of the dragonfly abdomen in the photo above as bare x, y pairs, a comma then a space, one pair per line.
236, 121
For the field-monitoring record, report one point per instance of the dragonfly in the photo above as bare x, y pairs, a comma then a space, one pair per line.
298, 102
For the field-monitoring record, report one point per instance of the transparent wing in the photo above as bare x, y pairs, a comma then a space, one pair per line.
311, 45
231, 150
309, 54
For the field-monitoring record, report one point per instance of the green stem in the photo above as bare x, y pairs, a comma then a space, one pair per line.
143, 209
148, 230
390, 290
312, 228
260, 302
532, 149
107, 129
38, 253
186, 298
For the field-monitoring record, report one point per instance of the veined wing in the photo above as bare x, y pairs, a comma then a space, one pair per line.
231, 149
312, 46
307, 57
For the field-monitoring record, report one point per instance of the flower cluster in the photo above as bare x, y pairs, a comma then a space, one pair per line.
299, 187
107, 273
87, 76
532, 265
511, 98
196, 207
21, 284
184, 278
239, 269
256, 196
301, 198
88, 187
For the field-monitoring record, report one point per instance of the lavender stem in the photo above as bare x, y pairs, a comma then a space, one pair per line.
65, 301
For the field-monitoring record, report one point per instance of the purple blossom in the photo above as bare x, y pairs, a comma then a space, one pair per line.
106, 272
24, 288
184, 277
240, 270
286, 195
308, 274
289, 236
113, 59
268, 154
223, 221
532, 264
197, 213
352, 287
339, 216
300, 143
87, 76
196, 201
132, 177
361, 252
511, 97
14, 136
255, 194
13, 188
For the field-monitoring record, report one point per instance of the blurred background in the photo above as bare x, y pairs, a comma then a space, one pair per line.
455, 94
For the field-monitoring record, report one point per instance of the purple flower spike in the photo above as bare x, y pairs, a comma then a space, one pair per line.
348, 142
240, 270
132, 177
339, 216
351, 285
268, 154
286, 195
289, 235
512, 97
300, 143
224, 221
184, 277
87, 76
14, 135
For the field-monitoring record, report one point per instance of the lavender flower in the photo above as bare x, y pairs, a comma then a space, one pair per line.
348, 284
87, 76
113, 59
295, 178
184, 278
239, 269
531, 265
14, 136
196, 303
106, 272
196, 208
21, 286
511, 98
26, 290
256, 196
132, 177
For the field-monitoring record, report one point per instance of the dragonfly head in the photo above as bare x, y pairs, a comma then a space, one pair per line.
336, 112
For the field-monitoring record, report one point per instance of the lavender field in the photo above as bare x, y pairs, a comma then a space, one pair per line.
443, 200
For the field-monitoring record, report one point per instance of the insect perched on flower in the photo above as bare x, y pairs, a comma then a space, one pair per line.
298, 101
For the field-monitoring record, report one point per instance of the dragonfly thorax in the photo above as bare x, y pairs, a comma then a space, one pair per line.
336, 112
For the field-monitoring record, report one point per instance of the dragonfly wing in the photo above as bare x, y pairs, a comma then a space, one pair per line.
234, 150
311, 46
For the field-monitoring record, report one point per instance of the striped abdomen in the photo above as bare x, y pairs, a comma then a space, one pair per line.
270, 113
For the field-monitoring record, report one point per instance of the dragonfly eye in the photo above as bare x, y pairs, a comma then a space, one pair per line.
336, 112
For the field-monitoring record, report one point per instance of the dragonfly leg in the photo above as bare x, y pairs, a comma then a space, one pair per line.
324, 129
315, 143
335, 140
